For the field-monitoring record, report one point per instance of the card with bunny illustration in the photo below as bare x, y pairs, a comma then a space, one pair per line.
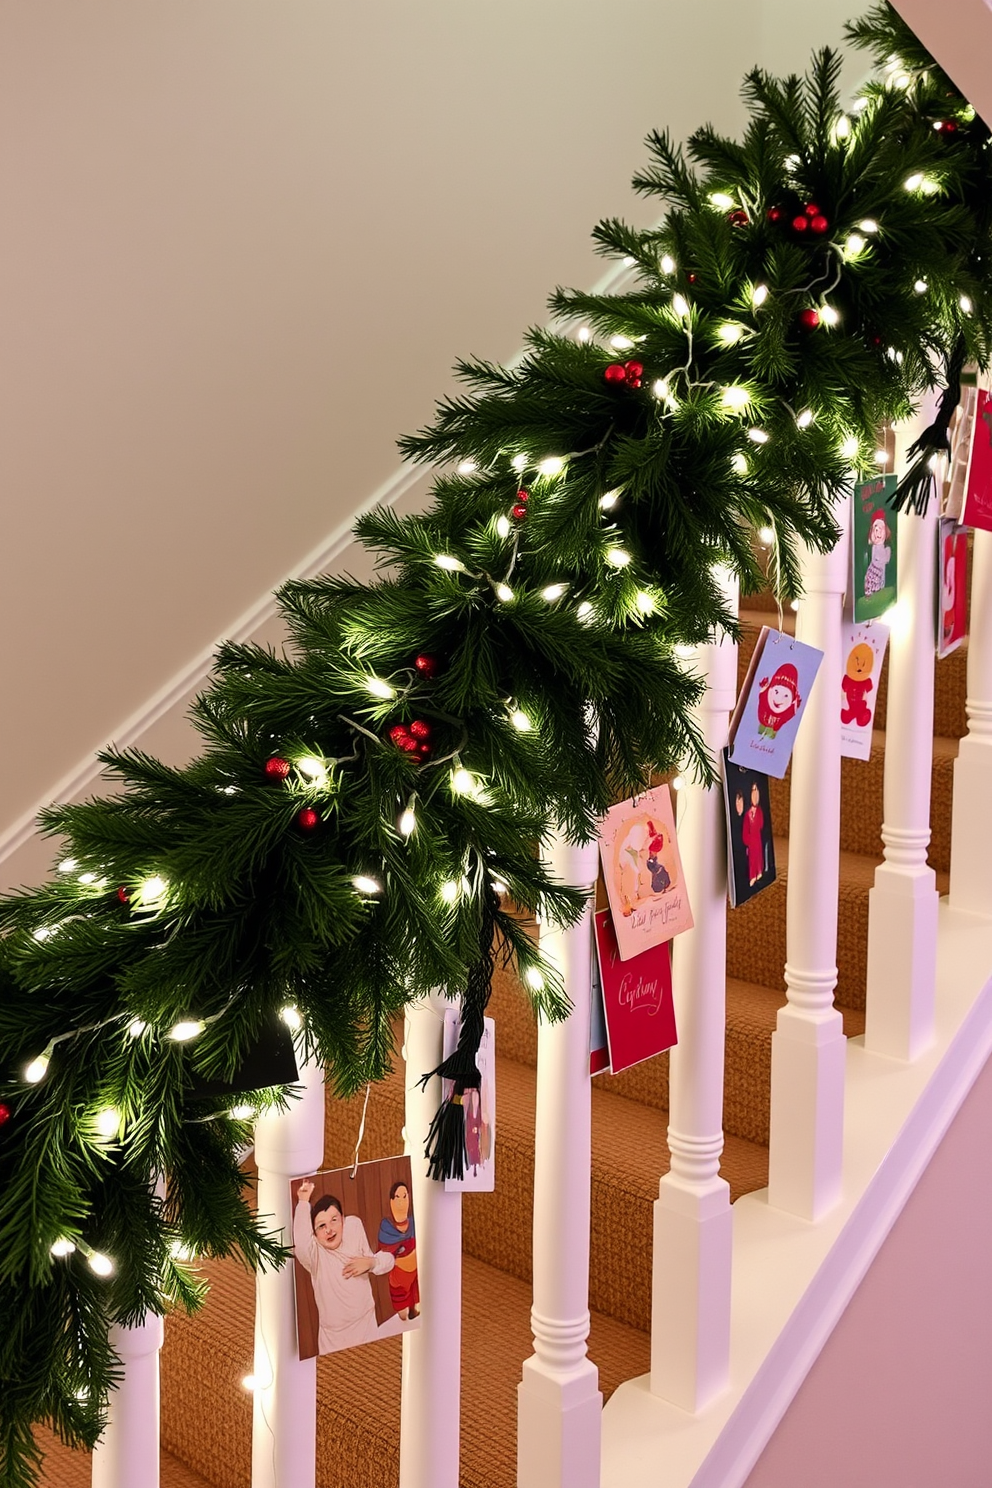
643, 872
874, 548
771, 702
863, 650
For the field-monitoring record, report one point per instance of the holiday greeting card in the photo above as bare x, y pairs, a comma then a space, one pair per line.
863, 649
637, 998
354, 1256
599, 1043
952, 586
962, 434
770, 705
874, 534
643, 872
750, 849
977, 509
480, 1110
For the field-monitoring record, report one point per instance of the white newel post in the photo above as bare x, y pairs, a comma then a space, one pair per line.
693, 1225
971, 817
128, 1451
284, 1414
902, 905
430, 1406
808, 1046
559, 1404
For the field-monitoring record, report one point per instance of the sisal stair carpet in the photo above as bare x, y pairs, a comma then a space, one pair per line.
206, 1413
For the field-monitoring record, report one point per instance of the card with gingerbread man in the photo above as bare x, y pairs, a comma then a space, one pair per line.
863, 651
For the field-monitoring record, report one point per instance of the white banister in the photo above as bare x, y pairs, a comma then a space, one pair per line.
693, 1225
430, 1405
808, 1045
971, 817
128, 1451
559, 1402
902, 905
288, 1144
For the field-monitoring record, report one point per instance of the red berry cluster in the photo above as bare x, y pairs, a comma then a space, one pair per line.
425, 664
412, 738
629, 374
945, 126
519, 507
811, 219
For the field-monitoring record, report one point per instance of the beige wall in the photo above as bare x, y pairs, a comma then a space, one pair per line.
242, 243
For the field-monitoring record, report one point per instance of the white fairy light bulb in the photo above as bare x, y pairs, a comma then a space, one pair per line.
585, 612
854, 245
499, 886
842, 129
100, 1265
136, 1027
250, 1383
850, 447
966, 304
313, 768
804, 419
766, 535
42, 932
366, 885
730, 333
380, 688
881, 457
462, 782
504, 592
553, 465
868, 225
68, 865
914, 182
38, 1068
152, 889
829, 316
108, 1122
519, 462
739, 465
794, 605
759, 295
408, 822
237, 1113
735, 396
921, 286
62, 1247
644, 602
617, 557
860, 104
683, 652
449, 891
583, 333
621, 343
534, 979
667, 264
291, 1017
182, 1032
467, 467
680, 305
520, 721
722, 200
449, 563
552, 592
758, 436
608, 500
179, 1251
661, 391
678, 781
502, 526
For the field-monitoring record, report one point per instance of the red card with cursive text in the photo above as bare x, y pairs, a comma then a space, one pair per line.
637, 998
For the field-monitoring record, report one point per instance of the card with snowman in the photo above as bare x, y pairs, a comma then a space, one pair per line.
863, 650
874, 548
642, 870
771, 702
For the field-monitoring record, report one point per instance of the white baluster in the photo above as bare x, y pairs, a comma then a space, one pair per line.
971, 818
430, 1405
693, 1225
808, 1045
127, 1453
284, 1416
902, 905
559, 1404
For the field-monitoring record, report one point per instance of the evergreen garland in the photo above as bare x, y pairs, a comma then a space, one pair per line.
364, 822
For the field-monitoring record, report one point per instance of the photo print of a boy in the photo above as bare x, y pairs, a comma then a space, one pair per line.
347, 1292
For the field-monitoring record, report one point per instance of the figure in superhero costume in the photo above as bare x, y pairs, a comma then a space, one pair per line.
857, 683
398, 1238
778, 699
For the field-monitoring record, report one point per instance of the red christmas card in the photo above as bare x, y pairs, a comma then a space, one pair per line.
637, 998
977, 510
643, 872
952, 586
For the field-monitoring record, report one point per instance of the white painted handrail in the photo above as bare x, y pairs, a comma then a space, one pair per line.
128, 1451
284, 1415
808, 1045
559, 1400
971, 819
902, 905
430, 1407
693, 1225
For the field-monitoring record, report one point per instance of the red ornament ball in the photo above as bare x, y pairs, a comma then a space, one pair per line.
800, 224
5, 1113
633, 371
425, 664
523, 496
819, 223
691, 278
809, 319
420, 728
518, 511
811, 209
738, 218
123, 895
949, 127
276, 768
409, 744
774, 214
307, 819
615, 372
398, 733
423, 749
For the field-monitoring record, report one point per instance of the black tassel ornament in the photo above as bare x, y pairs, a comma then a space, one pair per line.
919, 483
445, 1148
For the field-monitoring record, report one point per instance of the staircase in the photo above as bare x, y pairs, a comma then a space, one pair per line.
206, 1411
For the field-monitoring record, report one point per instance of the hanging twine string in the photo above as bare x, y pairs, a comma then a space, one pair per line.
361, 1130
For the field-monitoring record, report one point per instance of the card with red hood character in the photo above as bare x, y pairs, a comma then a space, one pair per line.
771, 702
